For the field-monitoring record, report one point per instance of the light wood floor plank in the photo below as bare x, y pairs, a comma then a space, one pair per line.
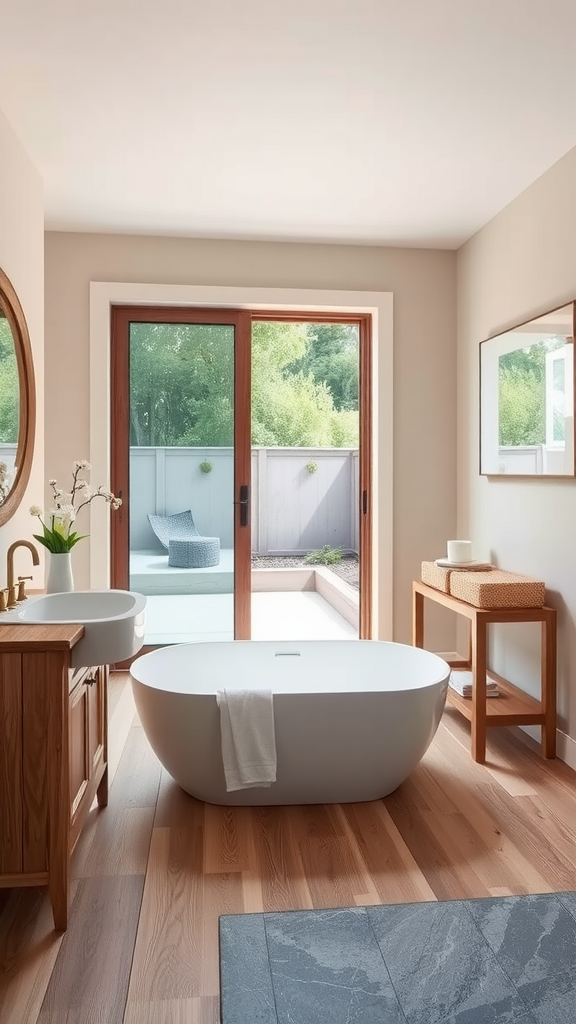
204, 1010
121, 720
222, 895
121, 844
466, 788
284, 885
137, 778
252, 890
117, 683
169, 947
511, 815
225, 847
370, 894
461, 840
116, 840
331, 871
454, 829
391, 867
174, 807
312, 821
92, 969
97, 1016
425, 838
29, 947
559, 833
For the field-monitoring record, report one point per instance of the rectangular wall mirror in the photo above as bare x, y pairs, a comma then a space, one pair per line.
527, 398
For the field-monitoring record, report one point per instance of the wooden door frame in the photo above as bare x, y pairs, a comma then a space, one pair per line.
364, 322
241, 320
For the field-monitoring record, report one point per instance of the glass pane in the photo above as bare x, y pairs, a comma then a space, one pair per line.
305, 481
182, 479
9, 407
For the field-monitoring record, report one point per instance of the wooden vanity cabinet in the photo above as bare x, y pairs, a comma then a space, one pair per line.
53, 756
87, 714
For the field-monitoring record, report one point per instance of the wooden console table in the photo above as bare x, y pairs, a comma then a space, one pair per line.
513, 706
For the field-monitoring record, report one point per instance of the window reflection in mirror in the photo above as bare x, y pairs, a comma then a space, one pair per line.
9, 406
527, 398
17, 401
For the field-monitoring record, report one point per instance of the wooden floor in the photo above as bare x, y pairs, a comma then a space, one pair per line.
154, 870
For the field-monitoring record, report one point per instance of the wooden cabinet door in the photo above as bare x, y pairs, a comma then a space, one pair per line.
11, 781
78, 731
96, 684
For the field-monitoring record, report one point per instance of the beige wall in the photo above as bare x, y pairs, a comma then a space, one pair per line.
423, 283
518, 265
22, 259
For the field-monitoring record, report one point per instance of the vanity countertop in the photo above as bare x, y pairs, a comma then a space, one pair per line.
16, 637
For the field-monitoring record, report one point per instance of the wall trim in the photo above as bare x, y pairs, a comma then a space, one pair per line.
566, 748
104, 294
565, 745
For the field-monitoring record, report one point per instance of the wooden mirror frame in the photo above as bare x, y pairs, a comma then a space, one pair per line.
489, 368
27, 426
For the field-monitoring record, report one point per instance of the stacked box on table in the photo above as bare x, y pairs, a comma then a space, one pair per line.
497, 588
435, 576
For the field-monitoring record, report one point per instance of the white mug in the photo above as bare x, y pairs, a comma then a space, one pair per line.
459, 550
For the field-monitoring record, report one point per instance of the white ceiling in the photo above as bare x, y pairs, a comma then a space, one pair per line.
408, 122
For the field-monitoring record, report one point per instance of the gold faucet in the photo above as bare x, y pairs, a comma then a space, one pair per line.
12, 587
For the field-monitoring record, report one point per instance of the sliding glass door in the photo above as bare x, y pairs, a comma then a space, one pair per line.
181, 462
310, 486
241, 449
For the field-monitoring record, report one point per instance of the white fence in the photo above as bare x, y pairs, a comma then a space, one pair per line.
535, 459
301, 498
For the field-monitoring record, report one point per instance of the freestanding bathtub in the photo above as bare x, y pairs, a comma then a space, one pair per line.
352, 718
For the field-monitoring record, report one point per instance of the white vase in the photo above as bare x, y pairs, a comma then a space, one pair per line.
60, 578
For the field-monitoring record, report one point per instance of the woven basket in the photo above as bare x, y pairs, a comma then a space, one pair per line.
497, 589
435, 576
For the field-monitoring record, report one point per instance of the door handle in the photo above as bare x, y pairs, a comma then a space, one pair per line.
244, 502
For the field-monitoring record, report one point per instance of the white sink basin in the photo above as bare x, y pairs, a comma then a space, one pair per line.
113, 622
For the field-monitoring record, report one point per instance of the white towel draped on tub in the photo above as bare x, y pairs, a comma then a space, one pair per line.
248, 741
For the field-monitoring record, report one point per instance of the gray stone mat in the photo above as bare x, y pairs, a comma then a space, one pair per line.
488, 961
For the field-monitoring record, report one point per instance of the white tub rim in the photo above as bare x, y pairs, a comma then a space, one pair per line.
167, 682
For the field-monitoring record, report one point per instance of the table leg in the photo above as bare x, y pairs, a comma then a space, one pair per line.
417, 619
478, 633
548, 696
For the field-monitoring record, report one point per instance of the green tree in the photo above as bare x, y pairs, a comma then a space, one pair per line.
521, 408
522, 393
182, 380
290, 406
331, 357
182, 383
9, 386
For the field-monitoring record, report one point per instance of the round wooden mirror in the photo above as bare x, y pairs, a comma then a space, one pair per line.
17, 401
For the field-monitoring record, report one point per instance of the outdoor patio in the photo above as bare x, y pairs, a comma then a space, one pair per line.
298, 615
296, 603
293, 511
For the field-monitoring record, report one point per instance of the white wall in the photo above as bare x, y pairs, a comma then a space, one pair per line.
22, 259
519, 265
423, 285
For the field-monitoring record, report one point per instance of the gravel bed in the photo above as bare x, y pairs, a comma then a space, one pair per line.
347, 569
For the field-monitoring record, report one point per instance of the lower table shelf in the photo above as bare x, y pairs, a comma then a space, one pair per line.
513, 706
